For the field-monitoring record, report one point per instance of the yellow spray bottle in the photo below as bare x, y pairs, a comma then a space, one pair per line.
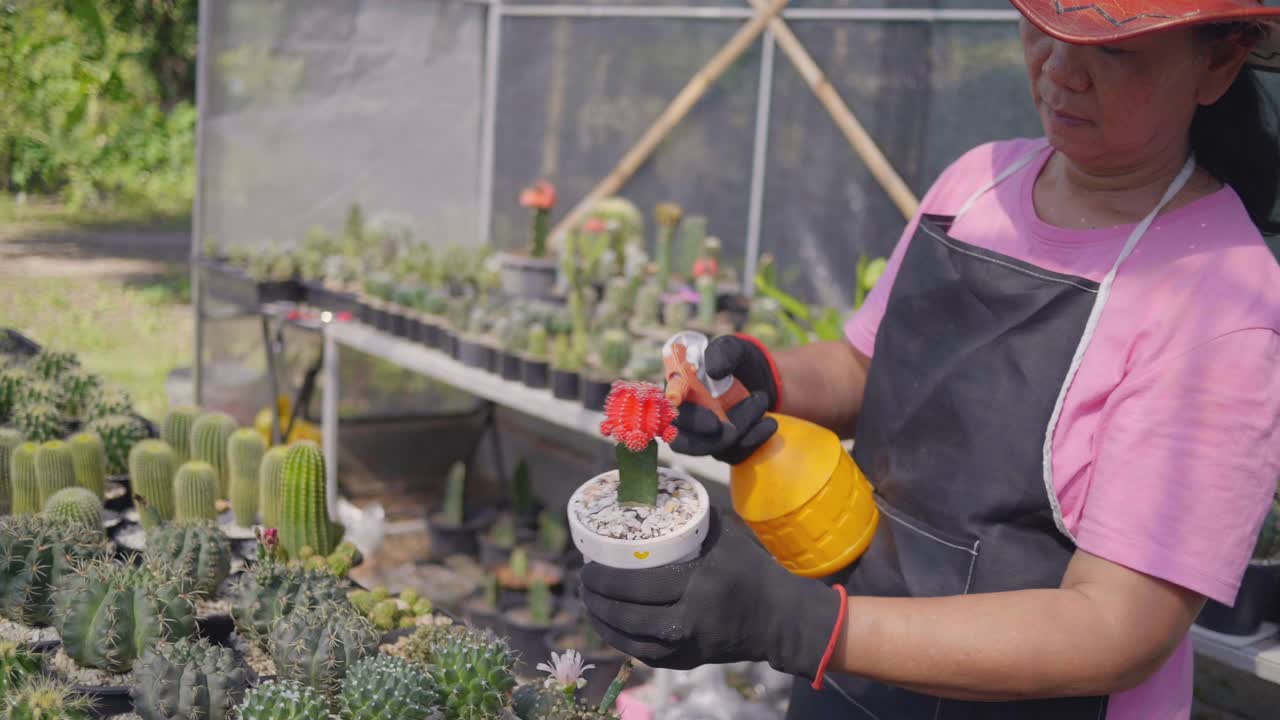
801, 493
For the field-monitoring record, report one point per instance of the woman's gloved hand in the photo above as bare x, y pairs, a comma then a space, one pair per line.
702, 433
734, 603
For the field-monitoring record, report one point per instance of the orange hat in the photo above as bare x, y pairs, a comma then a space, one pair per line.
1096, 23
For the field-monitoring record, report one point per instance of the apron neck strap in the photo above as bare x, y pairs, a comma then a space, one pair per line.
1004, 175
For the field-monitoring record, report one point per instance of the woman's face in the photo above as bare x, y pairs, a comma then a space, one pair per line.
1116, 107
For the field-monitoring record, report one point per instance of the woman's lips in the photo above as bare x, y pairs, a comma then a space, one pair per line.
1067, 119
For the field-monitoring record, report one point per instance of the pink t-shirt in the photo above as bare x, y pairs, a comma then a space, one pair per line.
1168, 448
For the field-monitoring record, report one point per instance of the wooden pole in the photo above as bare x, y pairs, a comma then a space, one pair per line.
857, 136
675, 112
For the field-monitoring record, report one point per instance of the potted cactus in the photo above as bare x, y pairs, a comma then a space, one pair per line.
496, 544
1256, 597
188, 679
559, 696
41, 552
612, 358
583, 639
528, 625
531, 274
639, 515
453, 529
514, 339
566, 368
520, 573
536, 368
484, 609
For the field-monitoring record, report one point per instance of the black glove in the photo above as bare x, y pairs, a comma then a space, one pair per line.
702, 433
734, 603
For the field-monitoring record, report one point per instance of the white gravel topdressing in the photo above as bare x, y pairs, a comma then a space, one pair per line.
15, 632
67, 668
257, 660
596, 507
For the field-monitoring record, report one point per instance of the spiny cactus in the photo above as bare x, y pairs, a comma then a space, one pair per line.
195, 491
17, 663
705, 286
473, 674
76, 505
209, 435
22, 476
119, 433
668, 216
79, 388
39, 422
108, 401
45, 392
36, 553
615, 352
383, 687
108, 615
198, 555
304, 514
45, 699
536, 349
55, 470
152, 466
176, 430
53, 364
648, 305
89, 457
271, 590
317, 645
676, 315
188, 680
283, 700
540, 601
13, 384
10, 439
270, 477
455, 490
245, 449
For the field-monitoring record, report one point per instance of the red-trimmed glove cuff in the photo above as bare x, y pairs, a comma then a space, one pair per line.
835, 638
773, 368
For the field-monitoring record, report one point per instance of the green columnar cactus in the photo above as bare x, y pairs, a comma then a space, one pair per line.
45, 699
152, 466
677, 315
109, 401
176, 430
473, 674
271, 590
78, 390
541, 603
648, 306
13, 387
615, 352
706, 287
209, 435
304, 513
553, 536
17, 664
270, 477
39, 422
89, 458
188, 680
316, 645
197, 554
55, 469
53, 364
108, 615
22, 476
693, 235
10, 439
668, 217
119, 433
537, 344
283, 700
195, 492
383, 687
245, 449
35, 554
76, 505
455, 494
519, 563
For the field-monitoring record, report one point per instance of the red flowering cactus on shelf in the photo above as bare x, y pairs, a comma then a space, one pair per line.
540, 198
637, 415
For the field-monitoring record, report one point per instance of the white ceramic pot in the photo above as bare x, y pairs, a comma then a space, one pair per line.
528, 277
679, 546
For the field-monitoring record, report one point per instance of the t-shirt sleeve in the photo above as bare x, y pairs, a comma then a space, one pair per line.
1186, 462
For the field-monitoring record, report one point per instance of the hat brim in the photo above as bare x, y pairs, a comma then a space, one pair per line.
1086, 22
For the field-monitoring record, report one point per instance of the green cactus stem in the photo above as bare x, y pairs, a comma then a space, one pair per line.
188, 680
55, 469
197, 554
36, 553
383, 687
152, 466
22, 476
76, 505
706, 288
668, 217
648, 306
195, 491
540, 601
304, 513
283, 700
209, 436
553, 536
17, 663
109, 401
473, 673
119, 433
78, 391
677, 315
536, 349
10, 439
89, 457
503, 532
13, 387
108, 615
693, 235
272, 590
615, 352
45, 699
610, 699
40, 422
317, 645
245, 449
270, 477
638, 474
53, 364
176, 430
454, 511
519, 563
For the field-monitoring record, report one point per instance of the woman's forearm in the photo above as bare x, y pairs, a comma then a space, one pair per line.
823, 383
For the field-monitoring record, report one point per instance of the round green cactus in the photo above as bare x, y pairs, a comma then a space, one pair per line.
304, 515
270, 591
152, 466
55, 470
39, 422
195, 491
108, 615
45, 392
316, 645
270, 479
176, 430
53, 364
22, 477
383, 687
283, 700
473, 673
13, 387
198, 555
10, 439
79, 388
245, 449
89, 457
188, 679
76, 505
108, 401
36, 552
209, 436
45, 699
17, 663
119, 433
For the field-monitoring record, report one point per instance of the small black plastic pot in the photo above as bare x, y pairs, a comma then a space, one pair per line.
510, 366
492, 554
106, 701
478, 613
607, 661
594, 393
122, 501
384, 318
455, 345
448, 539
1254, 601
367, 312
472, 353
529, 639
536, 373
398, 324
216, 628
565, 384
493, 354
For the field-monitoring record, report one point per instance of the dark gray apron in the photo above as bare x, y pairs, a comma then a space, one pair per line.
971, 362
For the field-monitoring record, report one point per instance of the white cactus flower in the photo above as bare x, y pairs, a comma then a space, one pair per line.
565, 670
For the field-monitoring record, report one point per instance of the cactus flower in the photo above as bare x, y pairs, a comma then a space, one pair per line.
540, 196
595, 226
565, 671
706, 266
636, 415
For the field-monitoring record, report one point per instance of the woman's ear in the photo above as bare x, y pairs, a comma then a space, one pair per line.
1226, 56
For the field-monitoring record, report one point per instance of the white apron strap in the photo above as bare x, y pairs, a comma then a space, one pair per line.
1005, 175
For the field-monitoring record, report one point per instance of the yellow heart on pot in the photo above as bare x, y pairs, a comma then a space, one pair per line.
641, 555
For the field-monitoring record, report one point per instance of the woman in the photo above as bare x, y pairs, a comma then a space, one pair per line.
1066, 393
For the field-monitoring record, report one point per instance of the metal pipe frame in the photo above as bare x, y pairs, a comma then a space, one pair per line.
489, 113
746, 13
204, 11
759, 156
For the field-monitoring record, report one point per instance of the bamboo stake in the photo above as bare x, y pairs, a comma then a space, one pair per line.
857, 135
674, 113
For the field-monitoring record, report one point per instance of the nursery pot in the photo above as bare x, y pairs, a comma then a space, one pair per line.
564, 384
398, 323
1257, 592
448, 539
492, 554
594, 392
484, 617
529, 639
511, 366
493, 354
528, 277
106, 701
536, 373
472, 353
680, 545
607, 662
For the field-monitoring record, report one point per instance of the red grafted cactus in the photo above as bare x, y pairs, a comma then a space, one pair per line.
637, 415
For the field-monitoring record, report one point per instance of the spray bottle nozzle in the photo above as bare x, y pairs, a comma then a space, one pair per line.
687, 379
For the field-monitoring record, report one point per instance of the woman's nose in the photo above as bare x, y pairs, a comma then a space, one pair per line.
1064, 67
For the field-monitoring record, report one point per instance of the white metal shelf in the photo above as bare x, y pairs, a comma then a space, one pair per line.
1258, 654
